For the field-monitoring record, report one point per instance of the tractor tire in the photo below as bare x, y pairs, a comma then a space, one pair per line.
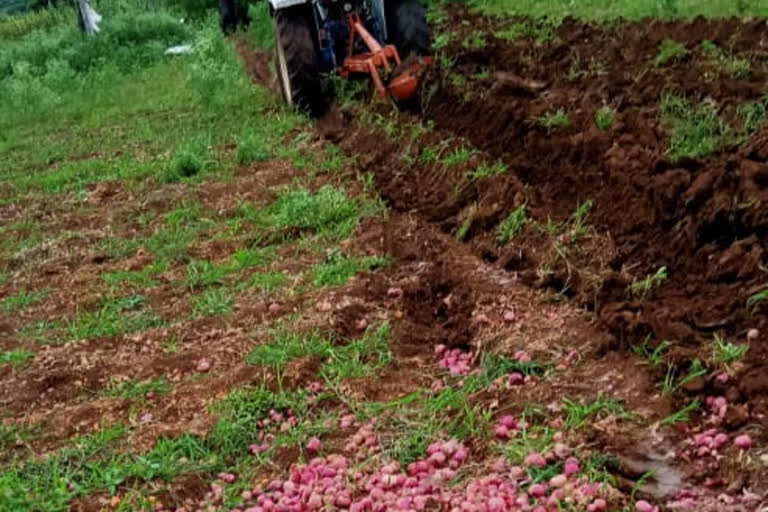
296, 52
407, 27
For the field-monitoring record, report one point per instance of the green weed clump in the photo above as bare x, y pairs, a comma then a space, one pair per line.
185, 163
329, 212
512, 225
252, 148
552, 120
696, 129
338, 268
670, 50
753, 116
604, 118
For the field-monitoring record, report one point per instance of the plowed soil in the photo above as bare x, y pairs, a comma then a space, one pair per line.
705, 220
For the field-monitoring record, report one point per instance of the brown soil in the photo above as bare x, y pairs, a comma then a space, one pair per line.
705, 220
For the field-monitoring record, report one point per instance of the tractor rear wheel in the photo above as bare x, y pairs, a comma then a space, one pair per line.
407, 27
296, 52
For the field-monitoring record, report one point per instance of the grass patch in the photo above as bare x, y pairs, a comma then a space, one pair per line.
338, 268
17, 358
142, 279
641, 288
22, 300
203, 273
696, 130
213, 302
252, 148
577, 414
725, 352
553, 120
512, 225
654, 355
116, 316
458, 156
674, 382
683, 415
726, 64
287, 346
267, 282
540, 30
753, 116
604, 118
756, 299
669, 51
486, 170
133, 390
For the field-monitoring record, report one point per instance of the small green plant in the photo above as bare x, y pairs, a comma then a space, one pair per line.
287, 346
540, 29
654, 355
725, 352
671, 383
683, 415
552, 120
577, 414
604, 118
464, 228
144, 278
338, 268
429, 154
757, 298
359, 358
212, 302
486, 170
17, 357
442, 40
116, 316
252, 148
22, 300
727, 64
577, 224
753, 116
512, 225
641, 288
476, 41
203, 273
267, 282
133, 390
669, 50
696, 129
459, 156
184, 164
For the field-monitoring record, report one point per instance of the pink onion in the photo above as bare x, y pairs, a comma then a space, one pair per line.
743, 442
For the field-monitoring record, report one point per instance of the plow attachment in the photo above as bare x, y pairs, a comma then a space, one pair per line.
401, 79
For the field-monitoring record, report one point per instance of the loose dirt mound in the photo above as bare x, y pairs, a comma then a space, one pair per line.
705, 220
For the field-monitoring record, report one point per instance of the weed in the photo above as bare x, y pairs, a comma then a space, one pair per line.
696, 129
213, 302
669, 50
185, 163
654, 355
464, 228
252, 148
329, 213
496, 365
552, 120
442, 40
753, 116
17, 358
203, 273
577, 226
171, 345
142, 279
671, 383
486, 170
577, 414
683, 415
116, 316
476, 41
725, 352
512, 225
727, 64
641, 288
116, 248
22, 300
359, 358
338, 268
266, 282
251, 258
459, 156
429, 154
757, 298
539, 29
133, 390
604, 118
287, 346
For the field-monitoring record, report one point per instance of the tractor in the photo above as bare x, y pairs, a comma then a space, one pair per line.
387, 40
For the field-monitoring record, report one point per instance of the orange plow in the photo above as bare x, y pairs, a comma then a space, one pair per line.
400, 77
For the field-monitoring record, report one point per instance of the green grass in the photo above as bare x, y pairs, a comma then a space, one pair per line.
133, 390
674, 381
512, 225
22, 300
654, 355
252, 148
753, 116
267, 282
725, 352
553, 120
338, 268
140, 279
116, 316
604, 10
726, 64
604, 118
757, 298
458, 156
329, 213
669, 51
696, 130
17, 358
643, 287
683, 415
487, 170
577, 414
287, 346
212, 302
203, 274
540, 30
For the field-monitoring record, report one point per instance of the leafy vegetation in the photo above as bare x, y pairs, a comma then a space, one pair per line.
552, 120
696, 129
604, 118
669, 50
512, 225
